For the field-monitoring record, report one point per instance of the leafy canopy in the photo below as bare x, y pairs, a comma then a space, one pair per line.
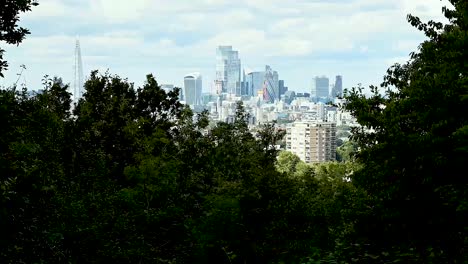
414, 148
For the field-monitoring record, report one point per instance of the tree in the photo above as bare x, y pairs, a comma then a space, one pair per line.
32, 146
124, 159
413, 145
287, 162
10, 32
345, 151
133, 176
330, 204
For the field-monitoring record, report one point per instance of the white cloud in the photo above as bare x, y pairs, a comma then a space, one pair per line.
173, 36
364, 49
120, 11
406, 45
47, 9
212, 22
425, 9
392, 61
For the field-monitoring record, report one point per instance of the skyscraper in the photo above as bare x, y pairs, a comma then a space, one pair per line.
338, 87
218, 85
193, 88
320, 87
282, 88
254, 82
228, 69
271, 85
245, 90
167, 87
77, 91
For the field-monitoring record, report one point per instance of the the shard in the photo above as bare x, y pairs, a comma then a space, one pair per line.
77, 91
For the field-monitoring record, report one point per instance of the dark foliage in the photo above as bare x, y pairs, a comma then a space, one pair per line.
415, 152
132, 176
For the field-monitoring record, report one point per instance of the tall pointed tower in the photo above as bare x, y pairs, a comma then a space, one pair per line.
77, 92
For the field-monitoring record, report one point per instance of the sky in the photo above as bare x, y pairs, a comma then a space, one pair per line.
358, 39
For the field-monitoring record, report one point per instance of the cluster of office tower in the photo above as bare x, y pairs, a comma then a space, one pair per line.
231, 81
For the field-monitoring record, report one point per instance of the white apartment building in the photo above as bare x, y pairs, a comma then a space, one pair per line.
341, 117
312, 141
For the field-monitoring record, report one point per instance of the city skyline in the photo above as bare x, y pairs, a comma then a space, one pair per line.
337, 40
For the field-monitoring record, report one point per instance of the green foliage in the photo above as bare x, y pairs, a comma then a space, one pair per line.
31, 170
415, 152
133, 176
346, 151
287, 162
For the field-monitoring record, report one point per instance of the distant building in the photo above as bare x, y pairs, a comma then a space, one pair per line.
32, 93
218, 86
320, 87
338, 87
321, 111
77, 88
207, 98
282, 89
312, 141
303, 95
271, 85
170, 87
244, 88
193, 89
228, 70
288, 96
167, 87
254, 82
244, 85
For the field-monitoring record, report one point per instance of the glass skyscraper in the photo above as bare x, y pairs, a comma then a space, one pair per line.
282, 89
254, 82
338, 87
193, 89
271, 85
228, 69
320, 87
